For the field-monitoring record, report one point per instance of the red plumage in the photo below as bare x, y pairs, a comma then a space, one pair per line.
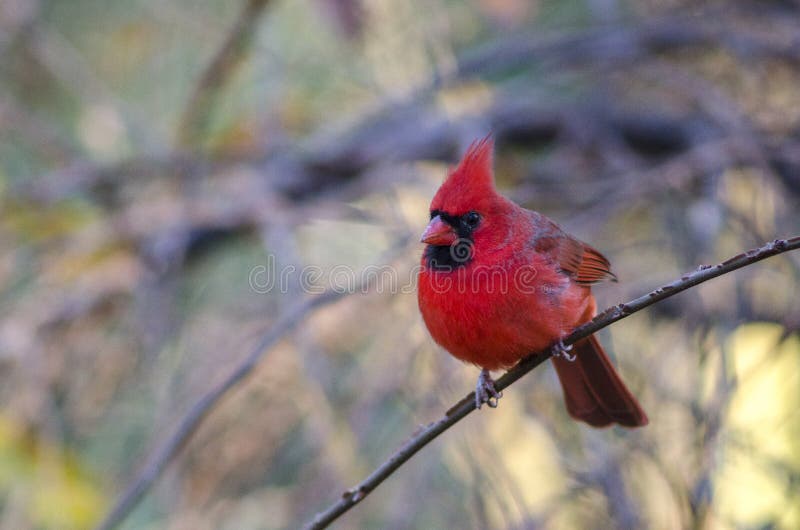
499, 282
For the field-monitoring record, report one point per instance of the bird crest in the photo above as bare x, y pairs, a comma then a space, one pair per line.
471, 183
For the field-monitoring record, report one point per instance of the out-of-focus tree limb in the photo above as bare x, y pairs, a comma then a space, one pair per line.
194, 123
410, 136
189, 423
192, 420
464, 407
410, 131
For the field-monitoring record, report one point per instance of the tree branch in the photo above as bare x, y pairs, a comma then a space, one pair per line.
192, 420
461, 409
195, 118
394, 130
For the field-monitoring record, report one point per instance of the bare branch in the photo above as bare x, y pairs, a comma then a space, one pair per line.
192, 420
195, 118
406, 131
461, 409
202, 408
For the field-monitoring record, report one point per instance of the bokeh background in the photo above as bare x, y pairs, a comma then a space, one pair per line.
154, 154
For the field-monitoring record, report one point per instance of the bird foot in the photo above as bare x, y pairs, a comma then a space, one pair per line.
485, 392
563, 351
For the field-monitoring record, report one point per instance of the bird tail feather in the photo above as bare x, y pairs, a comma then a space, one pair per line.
593, 390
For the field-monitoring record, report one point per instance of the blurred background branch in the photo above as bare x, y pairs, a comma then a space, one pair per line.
194, 123
155, 155
189, 423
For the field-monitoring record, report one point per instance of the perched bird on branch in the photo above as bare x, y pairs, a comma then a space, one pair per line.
499, 282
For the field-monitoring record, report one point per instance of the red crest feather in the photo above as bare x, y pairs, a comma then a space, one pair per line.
471, 183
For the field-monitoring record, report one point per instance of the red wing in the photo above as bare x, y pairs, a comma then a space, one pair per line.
586, 264
581, 262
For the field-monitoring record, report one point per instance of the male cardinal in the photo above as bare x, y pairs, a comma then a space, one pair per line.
499, 282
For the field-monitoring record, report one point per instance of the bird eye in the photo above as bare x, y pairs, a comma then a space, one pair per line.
472, 219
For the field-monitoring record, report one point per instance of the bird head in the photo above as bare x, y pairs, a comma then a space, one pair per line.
466, 212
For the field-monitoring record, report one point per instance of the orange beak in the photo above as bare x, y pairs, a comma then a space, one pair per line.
438, 233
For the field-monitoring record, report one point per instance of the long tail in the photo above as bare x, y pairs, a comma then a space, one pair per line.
593, 390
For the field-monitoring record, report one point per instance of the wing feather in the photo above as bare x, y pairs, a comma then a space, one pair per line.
583, 263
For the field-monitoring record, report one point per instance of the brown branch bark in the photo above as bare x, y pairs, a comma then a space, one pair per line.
461, 409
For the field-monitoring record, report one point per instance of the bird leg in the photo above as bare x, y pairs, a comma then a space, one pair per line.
485, 392
562, 350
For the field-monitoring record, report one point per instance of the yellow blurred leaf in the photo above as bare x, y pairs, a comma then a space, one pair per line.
34, 224
54, 484
753, 485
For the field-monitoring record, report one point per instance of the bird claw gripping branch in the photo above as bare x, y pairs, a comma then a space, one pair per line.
485, 392
562, 350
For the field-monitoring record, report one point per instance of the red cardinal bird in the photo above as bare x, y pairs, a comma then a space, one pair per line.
499, 282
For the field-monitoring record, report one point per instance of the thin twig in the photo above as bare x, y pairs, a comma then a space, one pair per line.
191, 421
461, 409
195, 118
